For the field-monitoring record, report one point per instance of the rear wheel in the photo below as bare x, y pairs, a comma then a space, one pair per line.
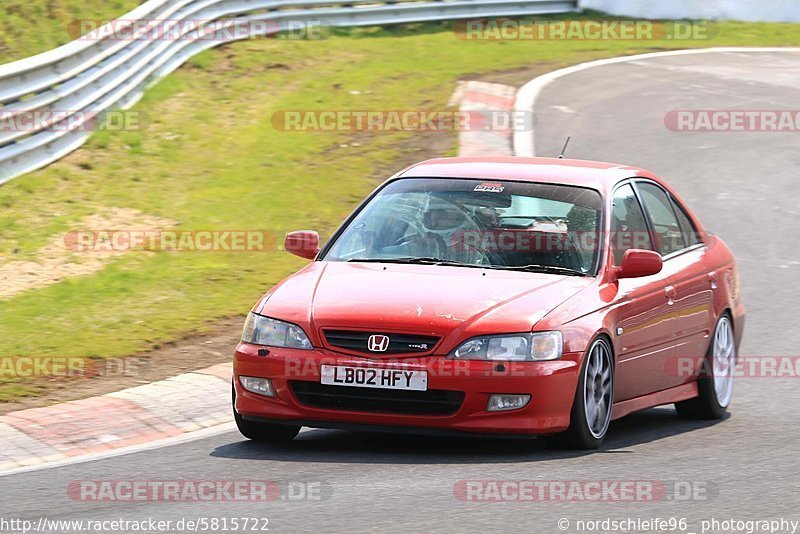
262, 432
716, 379
591, 410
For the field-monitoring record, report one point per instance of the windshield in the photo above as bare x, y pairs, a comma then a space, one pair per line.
501, 225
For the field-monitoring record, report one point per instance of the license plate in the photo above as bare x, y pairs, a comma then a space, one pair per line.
366, 377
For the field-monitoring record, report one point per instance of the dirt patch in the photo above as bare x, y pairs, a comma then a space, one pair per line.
189, 354
515, 77
59, 259
425, 144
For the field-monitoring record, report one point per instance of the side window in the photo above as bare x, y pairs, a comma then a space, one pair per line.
628, 227
690, 236
659, 206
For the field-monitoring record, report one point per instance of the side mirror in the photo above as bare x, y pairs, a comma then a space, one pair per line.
639, 263
304, 243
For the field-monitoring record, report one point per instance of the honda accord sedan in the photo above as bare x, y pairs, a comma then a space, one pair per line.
496, 296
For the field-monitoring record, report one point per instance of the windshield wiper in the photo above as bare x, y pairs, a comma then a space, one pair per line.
418, 261
550, 269
448, 263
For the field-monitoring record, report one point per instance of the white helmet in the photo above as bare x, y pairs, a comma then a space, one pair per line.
446, 220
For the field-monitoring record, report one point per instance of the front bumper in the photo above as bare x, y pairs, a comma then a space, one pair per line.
552, 387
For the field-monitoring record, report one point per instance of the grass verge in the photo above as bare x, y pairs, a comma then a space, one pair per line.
29, 27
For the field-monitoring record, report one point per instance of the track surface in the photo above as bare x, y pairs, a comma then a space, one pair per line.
743, 186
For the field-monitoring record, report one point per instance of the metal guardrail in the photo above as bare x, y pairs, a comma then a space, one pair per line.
88, 77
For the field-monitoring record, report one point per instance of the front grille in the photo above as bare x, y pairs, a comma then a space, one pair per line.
398, 343
347, 398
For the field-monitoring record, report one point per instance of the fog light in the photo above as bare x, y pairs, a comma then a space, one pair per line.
261, 386
501, 403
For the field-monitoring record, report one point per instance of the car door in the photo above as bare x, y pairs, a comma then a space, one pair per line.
644, 319
689, 281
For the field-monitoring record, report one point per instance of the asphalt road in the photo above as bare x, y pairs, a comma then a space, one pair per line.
743, 186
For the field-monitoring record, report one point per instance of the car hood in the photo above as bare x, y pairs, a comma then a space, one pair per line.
450, 302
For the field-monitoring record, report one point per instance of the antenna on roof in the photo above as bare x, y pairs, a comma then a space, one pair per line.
563, 150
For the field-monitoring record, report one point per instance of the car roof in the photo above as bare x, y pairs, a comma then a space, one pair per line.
593, 174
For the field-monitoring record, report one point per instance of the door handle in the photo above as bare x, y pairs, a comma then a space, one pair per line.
712, 277
670, 292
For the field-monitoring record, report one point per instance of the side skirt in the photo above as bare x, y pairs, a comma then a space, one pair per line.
668, 396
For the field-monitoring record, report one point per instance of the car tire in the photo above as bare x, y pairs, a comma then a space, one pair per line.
715, 389
588, 429
262, 432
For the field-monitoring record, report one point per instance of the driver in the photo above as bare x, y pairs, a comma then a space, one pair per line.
447, 225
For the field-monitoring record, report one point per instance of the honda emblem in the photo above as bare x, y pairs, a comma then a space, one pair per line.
378, 343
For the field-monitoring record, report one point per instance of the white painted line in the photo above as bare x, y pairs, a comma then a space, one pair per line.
565, 109
188, 437
166, 442
524, 140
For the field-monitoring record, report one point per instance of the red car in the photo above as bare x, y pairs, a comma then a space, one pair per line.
496, 296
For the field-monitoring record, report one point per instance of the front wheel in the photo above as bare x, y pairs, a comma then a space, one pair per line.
262, 432
591, 410
715, 383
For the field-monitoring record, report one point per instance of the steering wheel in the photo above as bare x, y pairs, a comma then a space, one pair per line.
425, 243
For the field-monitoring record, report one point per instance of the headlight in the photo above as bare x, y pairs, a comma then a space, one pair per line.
260, 330
539, 346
